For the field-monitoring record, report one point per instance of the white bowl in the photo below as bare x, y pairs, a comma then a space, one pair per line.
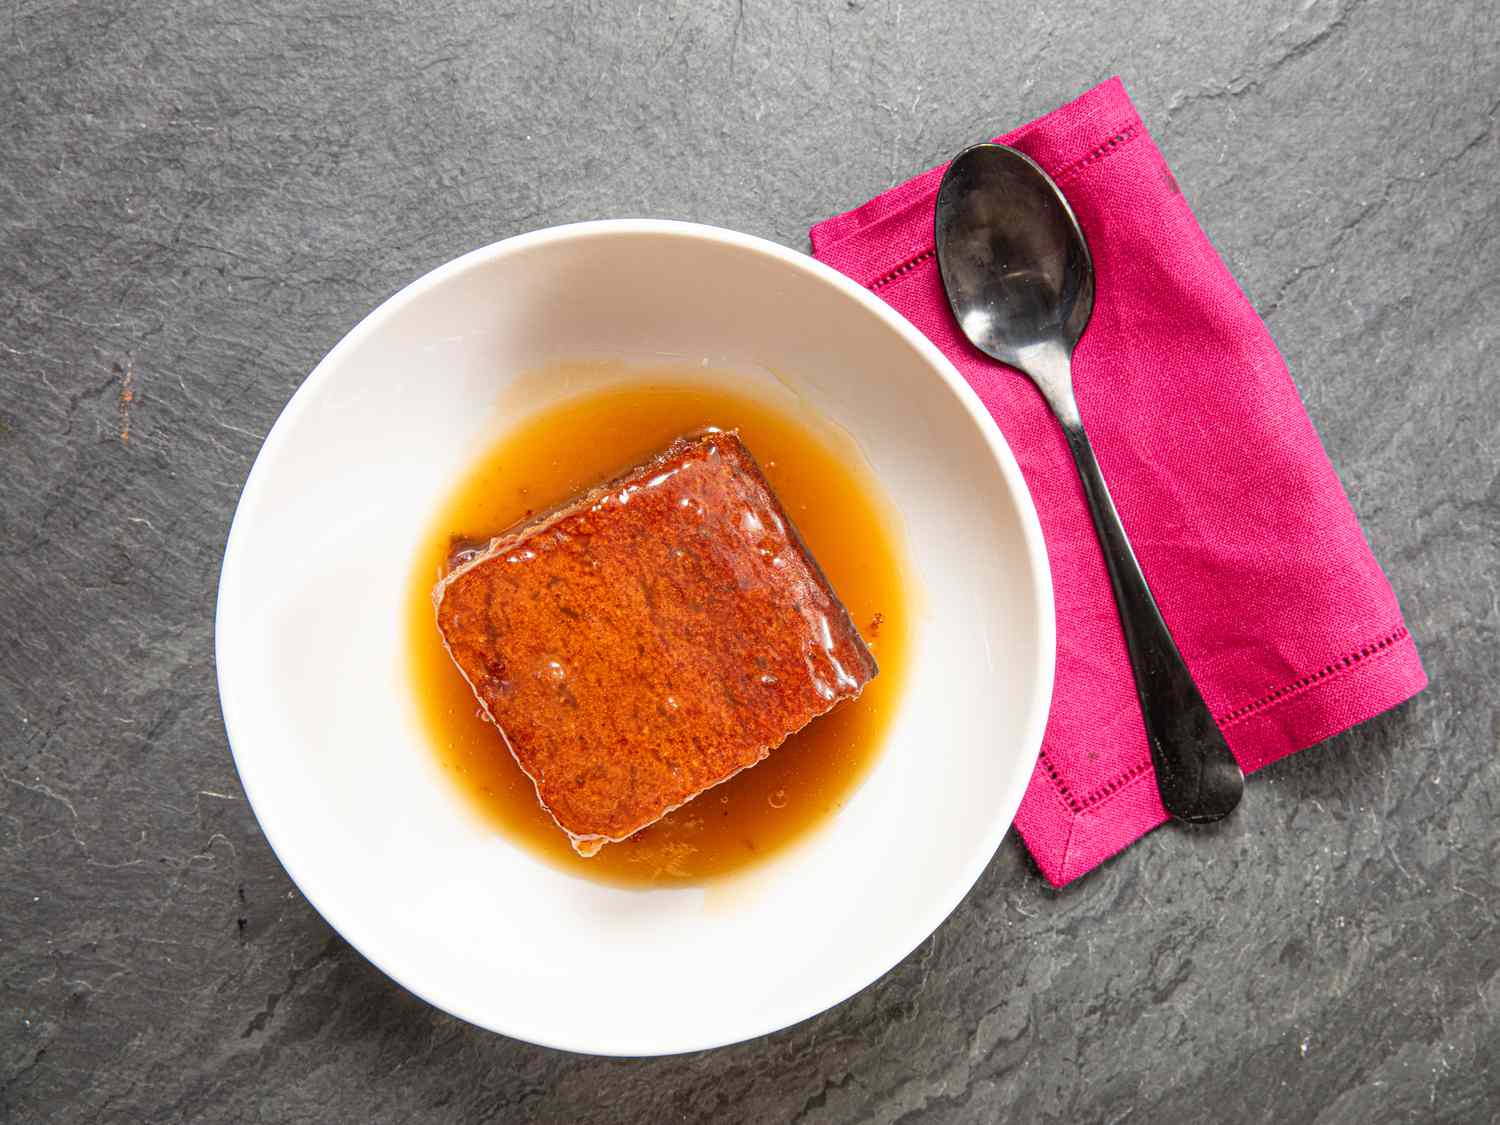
328, 744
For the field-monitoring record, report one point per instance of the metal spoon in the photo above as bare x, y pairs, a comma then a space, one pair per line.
1021, 284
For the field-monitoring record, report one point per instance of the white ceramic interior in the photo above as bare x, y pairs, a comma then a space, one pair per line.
316, 698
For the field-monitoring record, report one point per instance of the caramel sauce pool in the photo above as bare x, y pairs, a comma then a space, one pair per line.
834, 502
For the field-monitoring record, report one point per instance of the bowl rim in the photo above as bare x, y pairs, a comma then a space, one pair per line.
362, 936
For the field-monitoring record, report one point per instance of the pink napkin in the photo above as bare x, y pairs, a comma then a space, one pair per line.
1240, 523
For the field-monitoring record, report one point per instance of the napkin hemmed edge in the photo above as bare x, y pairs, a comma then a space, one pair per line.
1070, 846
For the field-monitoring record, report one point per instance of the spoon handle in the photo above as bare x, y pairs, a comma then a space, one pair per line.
1196, 773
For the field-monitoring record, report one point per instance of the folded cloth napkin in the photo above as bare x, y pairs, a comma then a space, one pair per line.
1240, 524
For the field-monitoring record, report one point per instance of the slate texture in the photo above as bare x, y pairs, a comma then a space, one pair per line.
197, 200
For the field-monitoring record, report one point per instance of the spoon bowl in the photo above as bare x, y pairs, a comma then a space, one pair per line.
1017, 274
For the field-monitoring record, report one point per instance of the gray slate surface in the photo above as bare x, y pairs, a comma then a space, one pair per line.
197, 200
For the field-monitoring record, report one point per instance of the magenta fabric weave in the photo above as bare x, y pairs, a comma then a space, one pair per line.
1240, 523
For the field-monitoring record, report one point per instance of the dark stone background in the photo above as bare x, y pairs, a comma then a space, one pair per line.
197, 200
